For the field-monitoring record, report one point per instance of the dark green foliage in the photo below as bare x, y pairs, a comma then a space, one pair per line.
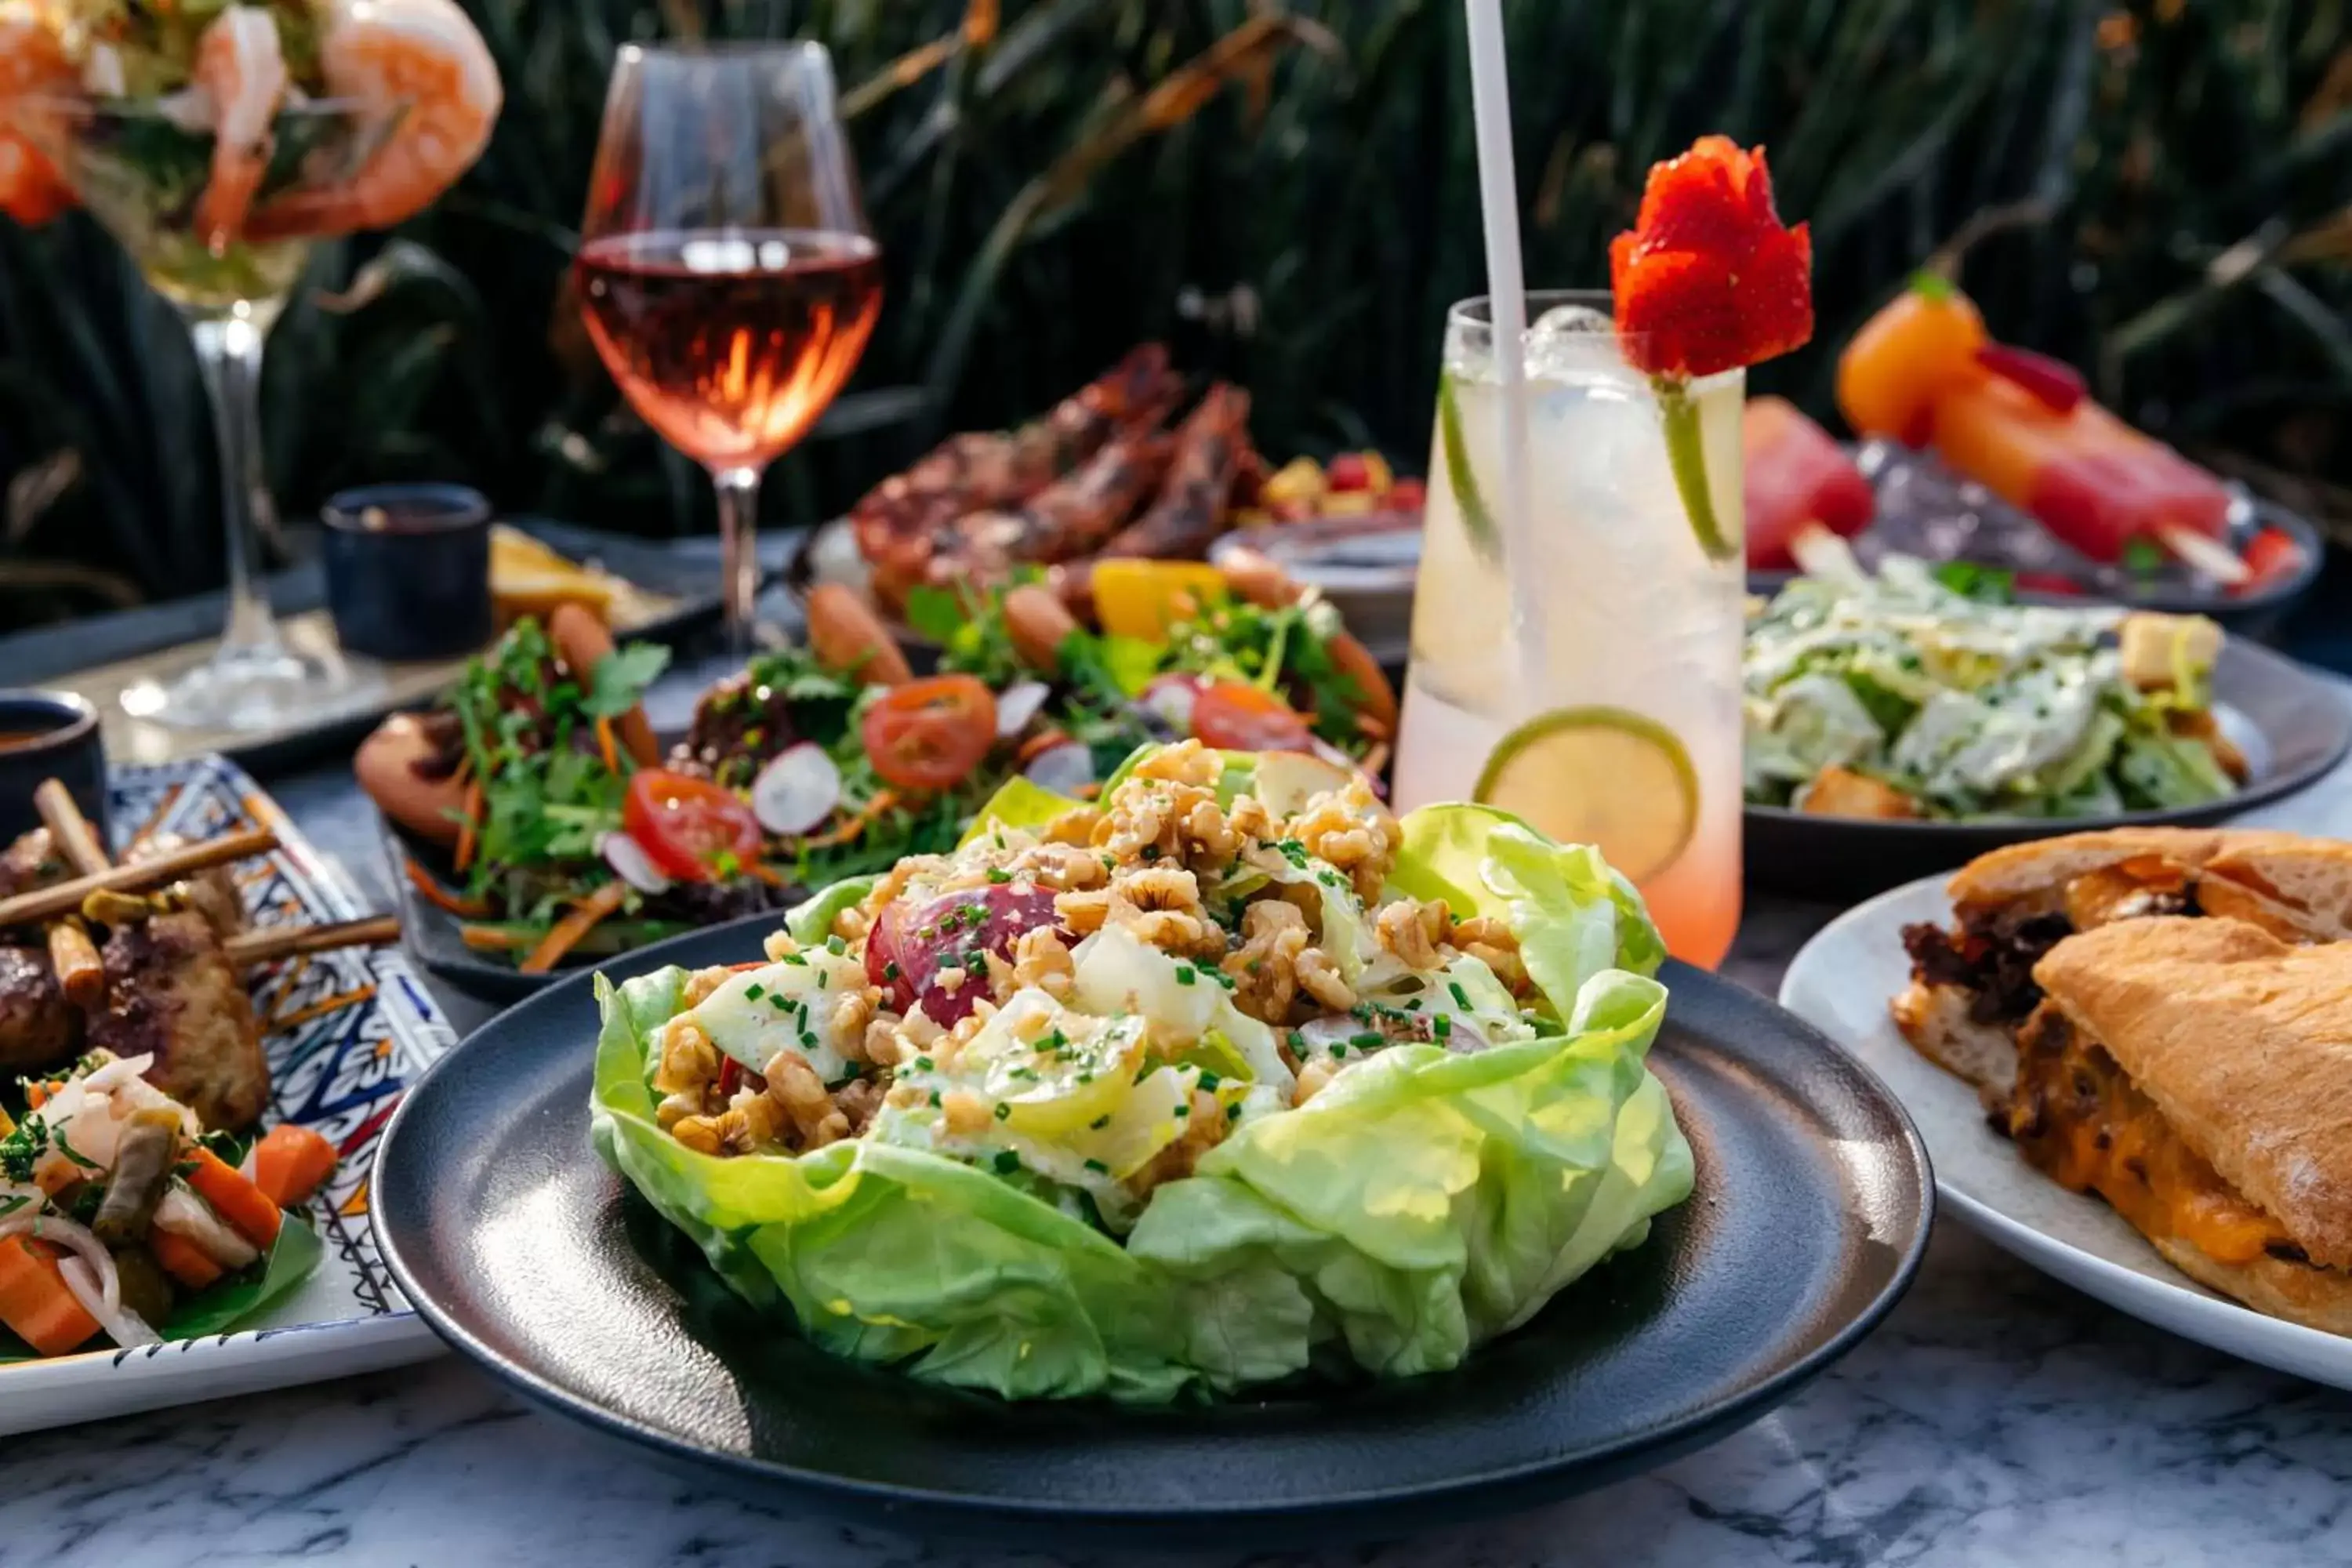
2156, 191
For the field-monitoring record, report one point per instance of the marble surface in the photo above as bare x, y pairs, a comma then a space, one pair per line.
1995, 1418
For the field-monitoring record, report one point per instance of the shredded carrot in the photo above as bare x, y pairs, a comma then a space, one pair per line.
492, 939
469, 831
439, 897
183, 1259
290, 1162
245, 1207
1038, 744
34, 1300
565, 934
1375, 760
605, 742
867, 814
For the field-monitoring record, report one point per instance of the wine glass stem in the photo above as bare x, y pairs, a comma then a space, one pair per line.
229, 352
739, 556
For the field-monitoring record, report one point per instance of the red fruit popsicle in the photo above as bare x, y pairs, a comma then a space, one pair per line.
2092, 480
1796, 474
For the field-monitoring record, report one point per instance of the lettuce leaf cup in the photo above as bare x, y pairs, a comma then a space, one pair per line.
1232, 1077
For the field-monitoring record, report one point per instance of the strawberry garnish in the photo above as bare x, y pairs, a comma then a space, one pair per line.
1708, 280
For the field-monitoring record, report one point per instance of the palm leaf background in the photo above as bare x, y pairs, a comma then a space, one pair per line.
2160, 191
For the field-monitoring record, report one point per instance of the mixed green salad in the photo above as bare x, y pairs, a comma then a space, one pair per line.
1912, 695
1229, 1077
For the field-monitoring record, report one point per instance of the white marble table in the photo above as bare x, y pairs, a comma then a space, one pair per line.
1995, 1418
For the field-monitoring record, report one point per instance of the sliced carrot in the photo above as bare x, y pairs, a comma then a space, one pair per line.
291, 1162
439, 897
469, 832
578, 921
245, 1207
36, 1095
33, 1301
183, 1259
606, 744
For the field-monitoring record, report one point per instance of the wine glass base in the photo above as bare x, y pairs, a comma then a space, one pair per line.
253, 690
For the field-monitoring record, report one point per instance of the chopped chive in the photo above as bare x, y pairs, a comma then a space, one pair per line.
754, 990
836, 946
1365, 1041
1210, 1081
1007, 1161
999, 876
1184, 975
1098, 1168
922, 1064
891, 970
1003, 1110
1099, 1122
1461, 997
1443, 1026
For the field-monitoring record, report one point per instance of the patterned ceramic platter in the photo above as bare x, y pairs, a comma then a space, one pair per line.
347, 1032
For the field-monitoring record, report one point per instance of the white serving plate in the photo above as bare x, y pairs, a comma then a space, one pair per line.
347, 1032
1841, 983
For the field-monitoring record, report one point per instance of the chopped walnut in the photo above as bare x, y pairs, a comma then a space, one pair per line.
1064, 867
1352, 830
1039, 959
794, 1085
859, 1100
1320, 977
1413, 929
1082, 913
884, 1046
850, 1015
689, 1062
701, 984
1185, 763
1263, 970
1494, 944
964, 1112
779, 945
1312, 1078
1206, 1126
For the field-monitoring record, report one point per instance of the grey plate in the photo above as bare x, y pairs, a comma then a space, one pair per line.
2292, 724
520, 1249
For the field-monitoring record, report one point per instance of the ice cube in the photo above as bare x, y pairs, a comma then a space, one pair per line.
1570, 338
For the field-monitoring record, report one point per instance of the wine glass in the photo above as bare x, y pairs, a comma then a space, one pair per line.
725, 268
141, 170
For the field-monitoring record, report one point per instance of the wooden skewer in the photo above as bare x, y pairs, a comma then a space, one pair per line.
65, 898
74, 960
265, 946
73, 954
70, 833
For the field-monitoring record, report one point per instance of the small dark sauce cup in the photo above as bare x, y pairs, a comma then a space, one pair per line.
49, 735
408, 570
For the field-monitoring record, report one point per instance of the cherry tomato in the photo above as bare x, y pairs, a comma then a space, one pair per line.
1234, 716
693, 829
930, 734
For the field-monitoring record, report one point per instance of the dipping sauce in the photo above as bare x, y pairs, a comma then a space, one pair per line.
49, 735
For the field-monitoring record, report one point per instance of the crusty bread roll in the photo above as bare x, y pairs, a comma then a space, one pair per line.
2243, 1042
2307, 882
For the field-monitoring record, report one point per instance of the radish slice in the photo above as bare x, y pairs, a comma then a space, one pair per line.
1065, 769
631, 863
795, 792
1017, 704
1169, 699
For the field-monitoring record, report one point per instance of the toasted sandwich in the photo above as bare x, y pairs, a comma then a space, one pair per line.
1974, 986
2197, 1074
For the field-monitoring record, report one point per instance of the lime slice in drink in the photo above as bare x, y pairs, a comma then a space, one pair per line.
1477, 521
1603, 777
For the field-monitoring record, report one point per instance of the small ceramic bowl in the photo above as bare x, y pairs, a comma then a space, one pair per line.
49, 735
408, 570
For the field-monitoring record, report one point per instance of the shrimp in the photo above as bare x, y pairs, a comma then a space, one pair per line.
1211, 449
897, 523
33, 65
422, 65
241, 72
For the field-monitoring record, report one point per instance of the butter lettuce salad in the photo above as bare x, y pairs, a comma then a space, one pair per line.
1229, 1077
1922, 694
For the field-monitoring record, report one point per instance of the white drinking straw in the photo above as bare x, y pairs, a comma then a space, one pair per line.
1498, 197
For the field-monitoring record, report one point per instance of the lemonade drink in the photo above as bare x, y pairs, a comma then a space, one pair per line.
1625, 733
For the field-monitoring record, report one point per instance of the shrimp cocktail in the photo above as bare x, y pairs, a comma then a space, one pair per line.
1614, 721
217, 141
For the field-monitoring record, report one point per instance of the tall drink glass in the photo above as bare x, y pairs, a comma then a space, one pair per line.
1625, 731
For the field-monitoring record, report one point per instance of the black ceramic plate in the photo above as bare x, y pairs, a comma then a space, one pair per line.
2292, 724
433, 937
527, 1253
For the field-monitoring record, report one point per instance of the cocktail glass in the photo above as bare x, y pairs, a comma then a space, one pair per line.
140, 170
1616, 720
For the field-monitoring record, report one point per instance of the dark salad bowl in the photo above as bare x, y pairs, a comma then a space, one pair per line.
2292, 724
